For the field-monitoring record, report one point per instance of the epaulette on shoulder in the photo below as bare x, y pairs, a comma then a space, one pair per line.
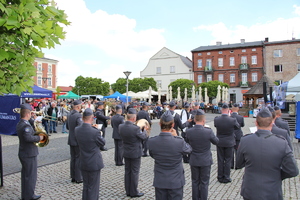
207, 127
216, 117
279, 136
178, 137
247, 134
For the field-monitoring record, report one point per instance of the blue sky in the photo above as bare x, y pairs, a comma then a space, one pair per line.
109, 37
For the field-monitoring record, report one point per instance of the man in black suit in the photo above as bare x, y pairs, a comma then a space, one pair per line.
280, 122
267, 159
53, 115
132, 137
185, 116
143, 114
101, 119
225, 132
28, 152
167, 150
116, 120
200, 139
237, 132
89, 141
74, 120
177, 120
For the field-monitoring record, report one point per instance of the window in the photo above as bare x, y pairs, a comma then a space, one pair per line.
199, 54
244, 59
277, 53
39, 67
49, 68
208, 53
39, 80
253, 49
199, 79
208, 77
231, 51
158, 70
298, 52
231, 60
220, 52
298, 67
244, 77
254, 77
49, 81
221, 77
172, 69
278, 68
243, 50
220, 62
278, 81
232, 78
208, 63
158, 83
200, 63
254, 60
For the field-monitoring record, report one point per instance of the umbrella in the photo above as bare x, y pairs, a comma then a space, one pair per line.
171, 93
218, 98
206, 97
150, 90
159, 94
223, 93
168, 94
200, 94
193, 93
178, 94
185, 94
226, 94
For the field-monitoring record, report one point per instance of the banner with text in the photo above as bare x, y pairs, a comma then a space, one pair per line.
9, 119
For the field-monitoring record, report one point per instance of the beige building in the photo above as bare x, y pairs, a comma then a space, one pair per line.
167, 66
282, 59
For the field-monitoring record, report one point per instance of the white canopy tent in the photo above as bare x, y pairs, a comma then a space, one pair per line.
293, 86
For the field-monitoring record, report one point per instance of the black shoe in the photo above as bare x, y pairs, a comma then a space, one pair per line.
227, 180
128, 195
103, 149
79, 181
231, 168
237, 168
36, 197
50, 131
54, 132
137, 195
73, 180
145, 155
120, 164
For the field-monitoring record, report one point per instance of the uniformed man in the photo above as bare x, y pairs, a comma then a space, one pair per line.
225, 132
279, 131
185, 116
89, 141
132, 137
74, 120
280, 122
267, 159
28, 152
200, 139
177, 120
143, 114
167, 150
101, 119
237, 132
116, 120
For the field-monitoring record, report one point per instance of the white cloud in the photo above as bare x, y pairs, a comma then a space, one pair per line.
114, 34
297, 9
279, 29
91, 62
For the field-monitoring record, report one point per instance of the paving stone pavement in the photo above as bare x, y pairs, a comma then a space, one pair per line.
54, 179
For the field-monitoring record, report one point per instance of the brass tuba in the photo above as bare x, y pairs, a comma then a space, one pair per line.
39, 130
142, 123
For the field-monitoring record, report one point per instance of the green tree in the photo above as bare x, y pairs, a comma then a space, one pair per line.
58, 90
182, 83
134, 85
89, 85
26, 26
212, 87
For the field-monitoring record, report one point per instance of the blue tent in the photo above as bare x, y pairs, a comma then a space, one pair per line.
118, 96
38, 92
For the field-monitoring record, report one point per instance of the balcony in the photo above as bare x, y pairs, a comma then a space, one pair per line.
244, 84
208, 69
244, 66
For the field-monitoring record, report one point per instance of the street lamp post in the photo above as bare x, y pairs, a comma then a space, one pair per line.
127, 73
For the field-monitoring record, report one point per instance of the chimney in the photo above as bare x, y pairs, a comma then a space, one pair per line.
242, 41
219, 43
266, 39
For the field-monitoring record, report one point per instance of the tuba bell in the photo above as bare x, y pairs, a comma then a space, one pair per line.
142, 123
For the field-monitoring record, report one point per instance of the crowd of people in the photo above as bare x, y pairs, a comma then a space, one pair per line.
267, 155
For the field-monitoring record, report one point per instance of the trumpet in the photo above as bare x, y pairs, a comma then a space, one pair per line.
40, 131
142, 123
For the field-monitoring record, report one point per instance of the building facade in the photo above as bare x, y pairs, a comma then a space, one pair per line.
46, 70
167, 66
282, 59
239, 65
